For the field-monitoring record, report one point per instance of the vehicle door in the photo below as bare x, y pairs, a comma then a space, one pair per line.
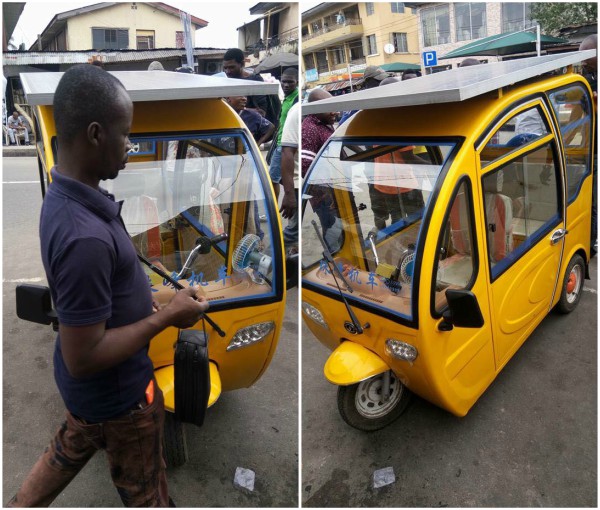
523, 205
573, 110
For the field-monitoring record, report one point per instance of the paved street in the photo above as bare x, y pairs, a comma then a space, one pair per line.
530, 441
255, 428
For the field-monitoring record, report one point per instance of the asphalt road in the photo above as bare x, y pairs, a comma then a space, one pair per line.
255, 428
530, 440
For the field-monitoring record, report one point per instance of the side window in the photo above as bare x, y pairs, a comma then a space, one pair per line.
521, 203
455, 265
573, 111
513, 134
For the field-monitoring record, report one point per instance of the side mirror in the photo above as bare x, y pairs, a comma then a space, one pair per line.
35, 305
463, 310
291, 271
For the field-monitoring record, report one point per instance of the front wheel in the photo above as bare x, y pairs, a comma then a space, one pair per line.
174, 444
363, 406
572, 285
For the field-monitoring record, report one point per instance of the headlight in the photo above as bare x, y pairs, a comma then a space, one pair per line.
250, 335
314, 314
401, 350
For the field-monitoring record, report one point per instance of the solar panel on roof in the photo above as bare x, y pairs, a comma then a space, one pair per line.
448, 86
153, 86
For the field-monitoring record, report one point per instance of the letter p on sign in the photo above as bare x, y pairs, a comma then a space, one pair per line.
429, 58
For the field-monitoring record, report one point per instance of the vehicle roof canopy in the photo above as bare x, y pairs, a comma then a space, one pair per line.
448, 86
153, 86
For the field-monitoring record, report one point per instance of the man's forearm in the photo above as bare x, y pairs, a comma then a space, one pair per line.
287, 168
90, 349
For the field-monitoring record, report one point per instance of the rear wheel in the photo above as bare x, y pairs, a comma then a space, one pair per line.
174, 444
363, 407
572, 285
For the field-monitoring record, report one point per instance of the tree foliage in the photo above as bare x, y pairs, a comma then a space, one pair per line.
553, 16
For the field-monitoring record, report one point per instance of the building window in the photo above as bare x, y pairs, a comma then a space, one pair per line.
435, 22
144, 39
357, 53
397, 7
338, 56
322, 65
400, 42
371, 45
516, 16
370, 8
110, 39
470, 21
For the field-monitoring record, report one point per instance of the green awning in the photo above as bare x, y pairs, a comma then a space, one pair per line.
397, 67
504, 44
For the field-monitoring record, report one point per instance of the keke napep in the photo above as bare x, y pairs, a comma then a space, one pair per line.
441, 224
200, 209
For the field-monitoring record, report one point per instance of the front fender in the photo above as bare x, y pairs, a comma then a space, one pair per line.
165, 378
351, 363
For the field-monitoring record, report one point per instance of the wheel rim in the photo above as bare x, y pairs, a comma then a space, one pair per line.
574, 283
369, 399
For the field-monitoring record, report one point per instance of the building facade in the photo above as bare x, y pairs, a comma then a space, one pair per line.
443, 27
276, 31
116, 26
340, 39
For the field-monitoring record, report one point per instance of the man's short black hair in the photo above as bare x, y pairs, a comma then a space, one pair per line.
292, 72
85, 94
234, 54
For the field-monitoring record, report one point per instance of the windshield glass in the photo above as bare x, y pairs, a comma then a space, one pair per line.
196, 208
364, 202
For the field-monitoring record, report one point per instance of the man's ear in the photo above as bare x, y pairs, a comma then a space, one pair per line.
95, 134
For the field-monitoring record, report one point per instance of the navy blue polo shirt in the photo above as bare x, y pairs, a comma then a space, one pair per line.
94, 276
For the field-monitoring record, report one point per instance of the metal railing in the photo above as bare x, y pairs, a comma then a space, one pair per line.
331, 28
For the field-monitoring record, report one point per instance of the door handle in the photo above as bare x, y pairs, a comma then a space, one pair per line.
557, 235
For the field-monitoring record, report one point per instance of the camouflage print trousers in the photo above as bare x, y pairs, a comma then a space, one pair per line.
133, 444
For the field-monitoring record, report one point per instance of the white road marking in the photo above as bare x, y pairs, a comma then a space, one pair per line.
23, 280
587, 289
20, 182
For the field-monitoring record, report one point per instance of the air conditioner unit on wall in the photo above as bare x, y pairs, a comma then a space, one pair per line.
213, 67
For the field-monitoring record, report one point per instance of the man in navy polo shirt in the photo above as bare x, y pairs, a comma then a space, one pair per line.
104, 305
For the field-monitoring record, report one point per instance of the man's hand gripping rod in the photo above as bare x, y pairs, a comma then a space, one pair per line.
178, 286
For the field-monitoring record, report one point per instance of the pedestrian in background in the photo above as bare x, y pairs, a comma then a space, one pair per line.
17, 127
233, 66
372, 77
261, 128
316, 130
290, 179
289, 85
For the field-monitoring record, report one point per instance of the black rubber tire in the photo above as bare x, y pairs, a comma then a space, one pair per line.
174, 443
564, 305
347, 406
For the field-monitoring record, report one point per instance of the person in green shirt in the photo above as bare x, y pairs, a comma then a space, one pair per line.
289, 85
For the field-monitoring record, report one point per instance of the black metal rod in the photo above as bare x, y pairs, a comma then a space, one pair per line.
178, 286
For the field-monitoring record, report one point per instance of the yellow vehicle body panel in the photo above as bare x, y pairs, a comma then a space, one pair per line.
165, 377
454, 368
351, 363
239, 368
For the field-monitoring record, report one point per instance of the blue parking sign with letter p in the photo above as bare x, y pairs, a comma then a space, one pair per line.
429, 58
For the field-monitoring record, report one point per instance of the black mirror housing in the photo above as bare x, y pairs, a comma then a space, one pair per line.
34, 304
464, 309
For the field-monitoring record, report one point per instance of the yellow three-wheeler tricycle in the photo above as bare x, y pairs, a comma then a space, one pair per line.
200, 209
441, 224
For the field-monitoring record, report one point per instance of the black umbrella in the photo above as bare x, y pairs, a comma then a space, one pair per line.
277, 62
